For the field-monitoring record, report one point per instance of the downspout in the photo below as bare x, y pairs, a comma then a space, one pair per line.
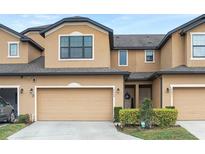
161, 97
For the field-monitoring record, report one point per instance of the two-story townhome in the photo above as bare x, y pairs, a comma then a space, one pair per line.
77, 69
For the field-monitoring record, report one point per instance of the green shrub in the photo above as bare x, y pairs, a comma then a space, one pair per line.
170, 107
146, 113
161, 117
116, 113
23, 118
129, 116
165, 117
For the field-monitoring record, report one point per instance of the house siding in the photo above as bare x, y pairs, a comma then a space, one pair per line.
101, 48
27, 101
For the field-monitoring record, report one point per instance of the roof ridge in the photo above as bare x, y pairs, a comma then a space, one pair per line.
136, 34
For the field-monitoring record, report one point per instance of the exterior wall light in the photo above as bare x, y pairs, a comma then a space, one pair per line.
34, 79
168, 90
31, 91
21, 90
118, 90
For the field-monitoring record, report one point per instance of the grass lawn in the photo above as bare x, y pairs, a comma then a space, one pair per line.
8, 130
173, 133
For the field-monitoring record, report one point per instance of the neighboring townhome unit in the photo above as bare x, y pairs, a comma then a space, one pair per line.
77, 69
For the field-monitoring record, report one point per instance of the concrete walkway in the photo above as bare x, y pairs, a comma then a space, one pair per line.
70, 130
197, 128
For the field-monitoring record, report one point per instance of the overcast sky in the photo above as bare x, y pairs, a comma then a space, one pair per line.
120, 23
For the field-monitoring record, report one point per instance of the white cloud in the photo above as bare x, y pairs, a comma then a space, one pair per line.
46, 16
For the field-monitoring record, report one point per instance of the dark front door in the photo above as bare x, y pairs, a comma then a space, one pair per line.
145, 91
129, 97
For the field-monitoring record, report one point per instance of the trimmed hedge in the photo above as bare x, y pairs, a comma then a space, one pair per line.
129, 116
165, 117
170, 107
116, 114
23, 118
161, 117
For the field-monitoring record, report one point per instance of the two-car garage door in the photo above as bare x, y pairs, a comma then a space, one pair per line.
190, 103
74, 104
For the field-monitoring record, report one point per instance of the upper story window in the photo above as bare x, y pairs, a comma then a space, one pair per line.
76, 47
13, 49
149, 56
123, 58
198, 45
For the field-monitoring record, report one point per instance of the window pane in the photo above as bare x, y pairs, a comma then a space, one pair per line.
76, 53
76, 41
64, 53
88, 41
13, 49
88, 52
198, 39
149, 55
123, 57
64, 41
198, 51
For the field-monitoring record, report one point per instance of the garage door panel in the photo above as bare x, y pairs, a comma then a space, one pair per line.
74, 104
190, 102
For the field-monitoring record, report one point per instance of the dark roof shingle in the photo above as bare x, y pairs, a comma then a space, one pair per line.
140, 76
36, 67
183, 70
148, 41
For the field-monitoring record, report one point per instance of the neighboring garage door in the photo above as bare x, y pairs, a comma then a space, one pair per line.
74, 104
190, 102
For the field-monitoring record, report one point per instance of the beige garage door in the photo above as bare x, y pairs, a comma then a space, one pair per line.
74, 104
190, 103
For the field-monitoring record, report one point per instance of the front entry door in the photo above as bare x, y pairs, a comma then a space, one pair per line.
129, 97
145, 91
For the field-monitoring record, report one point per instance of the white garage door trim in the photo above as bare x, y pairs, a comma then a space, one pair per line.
17, 87
71, 86
172, 86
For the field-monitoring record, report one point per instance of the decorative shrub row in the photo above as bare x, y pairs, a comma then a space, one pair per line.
129, 116
161, 117
24, 118
165, 117
116, 114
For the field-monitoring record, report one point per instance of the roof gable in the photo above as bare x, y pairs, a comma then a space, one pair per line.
183, 28
79, 20
22, 37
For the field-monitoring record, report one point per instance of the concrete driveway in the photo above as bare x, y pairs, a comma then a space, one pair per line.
197, 128
70, 130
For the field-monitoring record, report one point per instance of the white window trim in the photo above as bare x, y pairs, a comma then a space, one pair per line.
77, 59
145, 57
9, 56
119, 58
192, 33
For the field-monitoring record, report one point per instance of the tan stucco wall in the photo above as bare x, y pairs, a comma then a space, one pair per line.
156, 92
27, 104
178, 79
166, 55
101, 48
33, 53
178, 50
23, 49
37, 38
193, 63
136, 61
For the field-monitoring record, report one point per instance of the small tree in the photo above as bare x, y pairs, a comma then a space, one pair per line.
146, 113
